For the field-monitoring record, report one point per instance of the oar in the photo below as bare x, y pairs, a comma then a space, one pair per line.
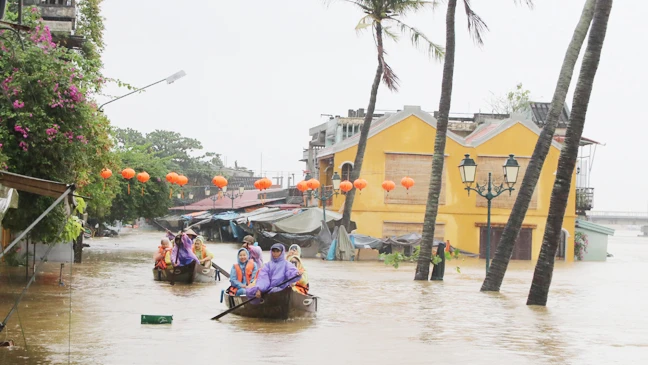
225, 273
249, 300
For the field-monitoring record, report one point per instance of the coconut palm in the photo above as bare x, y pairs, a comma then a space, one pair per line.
504, 249
568, 155
476, 27
384, 18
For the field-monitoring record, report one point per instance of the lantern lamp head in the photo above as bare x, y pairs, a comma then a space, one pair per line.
241, 189
468, 170
207, 191
336, 182
224, 189
191, 196
511, 169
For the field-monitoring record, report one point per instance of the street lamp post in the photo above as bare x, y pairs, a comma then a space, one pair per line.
169, 80
232, 195
322, 195
468, 170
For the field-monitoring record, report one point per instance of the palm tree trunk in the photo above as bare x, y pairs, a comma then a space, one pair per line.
568, 155
364, 131
432, 206
498, 267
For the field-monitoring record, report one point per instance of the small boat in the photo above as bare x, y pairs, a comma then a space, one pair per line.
284, 304
186, 274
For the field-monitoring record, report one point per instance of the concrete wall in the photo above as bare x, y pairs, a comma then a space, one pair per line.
62, 252
597, 247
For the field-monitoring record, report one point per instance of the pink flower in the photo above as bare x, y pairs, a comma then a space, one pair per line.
23, 145
18, 104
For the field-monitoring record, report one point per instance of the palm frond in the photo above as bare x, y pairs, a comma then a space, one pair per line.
388, 32
417, 37
389, 77
529, 3
364, 23
402, 7
476, 26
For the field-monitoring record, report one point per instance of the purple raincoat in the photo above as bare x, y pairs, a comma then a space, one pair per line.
182, 254
274, 273
255, 254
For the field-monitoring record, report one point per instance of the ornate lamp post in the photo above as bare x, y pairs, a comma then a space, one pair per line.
468, 170
320, 194
233, 195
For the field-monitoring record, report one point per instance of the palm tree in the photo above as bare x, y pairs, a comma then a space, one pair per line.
475, 26
381, 16
568, 155
498, 267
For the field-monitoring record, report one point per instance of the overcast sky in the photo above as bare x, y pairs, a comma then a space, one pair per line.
260, 73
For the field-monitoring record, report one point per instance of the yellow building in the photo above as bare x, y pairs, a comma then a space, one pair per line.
402, 144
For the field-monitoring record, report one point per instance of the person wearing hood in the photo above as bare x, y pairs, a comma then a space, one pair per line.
200, 250
243, 273
182, 253
302, 285
248, 241
255, 254
277, 271
294, 250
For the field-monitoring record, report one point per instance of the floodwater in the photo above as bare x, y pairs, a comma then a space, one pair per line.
368, 313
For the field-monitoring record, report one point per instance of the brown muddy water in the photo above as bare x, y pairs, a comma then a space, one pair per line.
368, 314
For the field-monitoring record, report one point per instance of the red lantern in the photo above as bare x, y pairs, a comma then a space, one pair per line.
388, 185
302, 186
106, 173
172, 177
143, 177
128, 174
360, 184
257, 185
407, 182
346, 186
313, 184
219, 181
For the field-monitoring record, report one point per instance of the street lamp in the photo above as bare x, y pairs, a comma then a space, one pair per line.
322, 195
232, 195
169, 80
468, 170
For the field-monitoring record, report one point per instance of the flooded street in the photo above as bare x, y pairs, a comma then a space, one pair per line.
368, 313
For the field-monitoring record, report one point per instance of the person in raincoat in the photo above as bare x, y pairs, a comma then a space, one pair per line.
243, 274
200, 250
182, 254
294, 250
302, 285
276, 275
255, 254
248, 241
163, 256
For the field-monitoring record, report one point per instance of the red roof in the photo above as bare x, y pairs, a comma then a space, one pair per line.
250, 198
481, 132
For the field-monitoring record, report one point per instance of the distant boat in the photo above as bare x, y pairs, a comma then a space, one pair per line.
186, 274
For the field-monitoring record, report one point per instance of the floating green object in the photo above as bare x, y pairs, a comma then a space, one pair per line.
151, 319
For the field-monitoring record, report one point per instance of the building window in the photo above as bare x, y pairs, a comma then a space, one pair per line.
346, 171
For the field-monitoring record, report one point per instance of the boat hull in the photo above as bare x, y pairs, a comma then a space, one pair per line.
186, 274
285, 304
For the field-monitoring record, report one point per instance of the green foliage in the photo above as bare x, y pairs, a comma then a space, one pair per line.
15, 257
580, 245
49, 126
515, 101
395, 259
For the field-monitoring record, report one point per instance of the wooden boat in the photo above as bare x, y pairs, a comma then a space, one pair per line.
186, 274
280, 305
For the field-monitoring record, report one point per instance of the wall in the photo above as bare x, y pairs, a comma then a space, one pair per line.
460, 213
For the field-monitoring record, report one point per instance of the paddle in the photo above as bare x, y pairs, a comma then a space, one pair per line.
249, 300
225, 273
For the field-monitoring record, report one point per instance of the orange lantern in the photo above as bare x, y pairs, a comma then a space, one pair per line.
302, 186
346, 186
266, 183
388, 185
360, 184
257, 185
182, 181
172, 177
143, 177
219, 181
407, 182
128, 174
105, 174
313, 184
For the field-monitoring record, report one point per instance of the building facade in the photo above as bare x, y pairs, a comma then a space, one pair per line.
402, 144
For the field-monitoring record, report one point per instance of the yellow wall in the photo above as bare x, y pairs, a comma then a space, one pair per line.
460, 213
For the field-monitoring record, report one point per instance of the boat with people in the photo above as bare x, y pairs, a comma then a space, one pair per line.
284, 304
191, 273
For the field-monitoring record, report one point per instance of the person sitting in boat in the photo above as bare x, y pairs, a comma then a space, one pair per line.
182, 254
294, 250
256, 256
248, 241
201, 252
302, 285
243, 273
276, 275
192, 235
163, 256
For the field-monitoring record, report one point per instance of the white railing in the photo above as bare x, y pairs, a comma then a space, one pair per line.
595, 213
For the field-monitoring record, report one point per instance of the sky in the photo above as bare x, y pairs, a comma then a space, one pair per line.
260, 73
